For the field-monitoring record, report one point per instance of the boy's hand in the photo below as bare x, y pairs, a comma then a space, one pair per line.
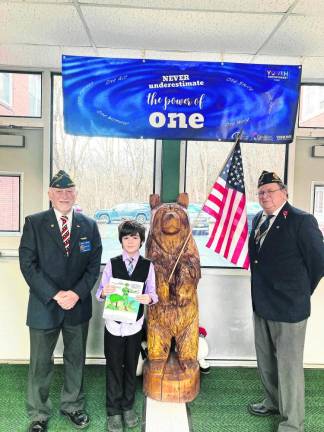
107, 289
143, 298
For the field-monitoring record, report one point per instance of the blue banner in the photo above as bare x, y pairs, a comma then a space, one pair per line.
164, 99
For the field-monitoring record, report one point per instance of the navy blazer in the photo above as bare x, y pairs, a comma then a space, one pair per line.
47, 269
288, 267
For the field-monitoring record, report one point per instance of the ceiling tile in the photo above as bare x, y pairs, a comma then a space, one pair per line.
313, 69
30, 56
167, 30
280, 60
183, 56
313, 7
210, 5
44, 24
298, 36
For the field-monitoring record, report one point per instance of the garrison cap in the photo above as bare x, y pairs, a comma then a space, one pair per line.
61, 180
269, 177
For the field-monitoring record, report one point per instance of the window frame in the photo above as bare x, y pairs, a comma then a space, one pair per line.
21, 72
307, 84
314, 185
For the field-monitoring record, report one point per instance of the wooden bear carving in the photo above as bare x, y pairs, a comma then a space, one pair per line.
176, 313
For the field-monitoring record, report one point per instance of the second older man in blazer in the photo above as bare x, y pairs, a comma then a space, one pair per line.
287, 262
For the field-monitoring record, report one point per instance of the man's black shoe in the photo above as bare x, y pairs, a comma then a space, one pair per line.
38, 426
259, 409
79, 419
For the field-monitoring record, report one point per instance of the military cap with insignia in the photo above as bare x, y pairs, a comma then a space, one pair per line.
61, 180
269, 177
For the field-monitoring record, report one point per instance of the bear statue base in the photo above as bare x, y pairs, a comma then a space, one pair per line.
169, 382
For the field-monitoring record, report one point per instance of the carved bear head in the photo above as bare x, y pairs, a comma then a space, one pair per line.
170, 223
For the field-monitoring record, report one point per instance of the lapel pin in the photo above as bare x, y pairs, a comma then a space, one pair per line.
285, 213
52, 226
78, 226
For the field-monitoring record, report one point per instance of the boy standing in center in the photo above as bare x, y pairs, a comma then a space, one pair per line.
123, 340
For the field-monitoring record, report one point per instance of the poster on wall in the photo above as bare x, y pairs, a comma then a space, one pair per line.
163, 99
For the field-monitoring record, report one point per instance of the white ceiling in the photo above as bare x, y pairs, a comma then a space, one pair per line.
35, 33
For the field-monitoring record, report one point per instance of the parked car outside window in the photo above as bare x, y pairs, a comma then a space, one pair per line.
199, 220
141, 212
201, 226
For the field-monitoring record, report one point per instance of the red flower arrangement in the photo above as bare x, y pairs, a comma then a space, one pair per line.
202, 332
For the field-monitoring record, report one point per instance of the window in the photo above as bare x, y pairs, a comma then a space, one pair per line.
311, 107
10, 185
5, 89
114, 176
20, 94
203, 164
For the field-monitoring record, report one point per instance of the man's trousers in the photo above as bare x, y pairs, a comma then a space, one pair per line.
280, 349
42, 345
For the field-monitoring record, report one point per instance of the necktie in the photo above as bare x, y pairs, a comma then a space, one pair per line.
65, 234
130, 265
262, 231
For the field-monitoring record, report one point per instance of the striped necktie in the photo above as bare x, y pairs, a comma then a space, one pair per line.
65, 234
263, 229
130, 265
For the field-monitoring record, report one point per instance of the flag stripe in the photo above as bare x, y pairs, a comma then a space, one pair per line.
225, 220
235, 223
239, 228
219, 224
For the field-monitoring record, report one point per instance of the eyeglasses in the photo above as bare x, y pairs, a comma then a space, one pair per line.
268, 192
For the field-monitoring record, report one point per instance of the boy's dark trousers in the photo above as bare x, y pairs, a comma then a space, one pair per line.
121, 354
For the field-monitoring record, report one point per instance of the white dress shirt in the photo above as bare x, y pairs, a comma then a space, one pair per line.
58, 215
263, 218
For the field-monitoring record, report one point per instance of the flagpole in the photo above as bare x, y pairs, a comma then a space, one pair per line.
198, 215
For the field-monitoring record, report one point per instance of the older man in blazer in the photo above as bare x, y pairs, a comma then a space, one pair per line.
60, 254
287, 262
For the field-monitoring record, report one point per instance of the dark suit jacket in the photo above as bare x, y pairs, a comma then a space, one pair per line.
47, 269
288, 266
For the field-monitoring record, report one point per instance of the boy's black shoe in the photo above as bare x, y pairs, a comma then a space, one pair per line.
114, 423
79, 419
130, 418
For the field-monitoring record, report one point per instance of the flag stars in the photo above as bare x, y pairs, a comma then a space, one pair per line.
233, 172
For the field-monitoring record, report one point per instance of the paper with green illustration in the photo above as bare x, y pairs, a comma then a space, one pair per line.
121, 305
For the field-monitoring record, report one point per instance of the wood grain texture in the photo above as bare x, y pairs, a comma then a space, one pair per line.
175, 316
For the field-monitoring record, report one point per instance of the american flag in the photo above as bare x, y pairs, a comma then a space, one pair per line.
227, 204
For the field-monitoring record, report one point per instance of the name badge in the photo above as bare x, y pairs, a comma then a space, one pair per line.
85, 246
